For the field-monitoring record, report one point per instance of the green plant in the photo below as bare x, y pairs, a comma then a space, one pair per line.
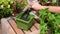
43, 23
49, 2
43, 27
21, 5
5, 8
43, 2
7, 13
55, 2
49, 19
0, 16
24, 20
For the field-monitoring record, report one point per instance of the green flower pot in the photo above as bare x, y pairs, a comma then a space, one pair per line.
24, 24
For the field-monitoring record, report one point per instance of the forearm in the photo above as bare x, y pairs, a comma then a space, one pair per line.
53, 8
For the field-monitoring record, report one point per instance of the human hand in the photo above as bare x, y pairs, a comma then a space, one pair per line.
35, 6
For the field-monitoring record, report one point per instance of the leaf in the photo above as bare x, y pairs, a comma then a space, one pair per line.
1, 16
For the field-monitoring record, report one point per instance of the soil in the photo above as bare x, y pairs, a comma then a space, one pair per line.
24, 18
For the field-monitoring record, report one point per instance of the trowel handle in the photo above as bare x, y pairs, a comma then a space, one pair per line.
25, 8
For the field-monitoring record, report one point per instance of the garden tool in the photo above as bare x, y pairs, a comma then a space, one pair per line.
29, 2
24, 19
33, 12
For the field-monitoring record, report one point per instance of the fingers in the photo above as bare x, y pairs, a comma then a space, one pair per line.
35, 6
30, 5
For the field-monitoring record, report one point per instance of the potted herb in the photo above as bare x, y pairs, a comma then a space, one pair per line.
24, 20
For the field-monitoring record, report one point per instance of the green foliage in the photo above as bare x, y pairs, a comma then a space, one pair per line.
43, 2
43, 24
55, 2
24, 20
43, 27
0, 16
5, 3
49, 19
50, 2
7, 13
21, 5
5, 10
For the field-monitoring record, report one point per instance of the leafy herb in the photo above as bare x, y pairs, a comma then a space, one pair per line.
21, 5
49, 2
0, 16
55, 2
5, 10
49, 19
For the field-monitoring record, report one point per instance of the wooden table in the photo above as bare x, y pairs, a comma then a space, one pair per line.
0, 29
9, 27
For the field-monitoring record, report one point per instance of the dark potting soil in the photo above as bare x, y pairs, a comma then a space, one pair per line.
24, 18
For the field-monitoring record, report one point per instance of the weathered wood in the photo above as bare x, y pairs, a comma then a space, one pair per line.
33, 28
35, 32
9, 25
27, 32
6, 28
13, 24
36, 25
0, 29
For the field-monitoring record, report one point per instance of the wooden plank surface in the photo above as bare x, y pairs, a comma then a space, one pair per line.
12, 25
0, 29
6, 28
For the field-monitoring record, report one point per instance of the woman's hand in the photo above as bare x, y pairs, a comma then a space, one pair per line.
35, 6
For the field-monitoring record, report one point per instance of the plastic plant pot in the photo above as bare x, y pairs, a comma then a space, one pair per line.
24, 24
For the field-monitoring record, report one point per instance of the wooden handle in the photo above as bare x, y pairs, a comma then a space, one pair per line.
25, 8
